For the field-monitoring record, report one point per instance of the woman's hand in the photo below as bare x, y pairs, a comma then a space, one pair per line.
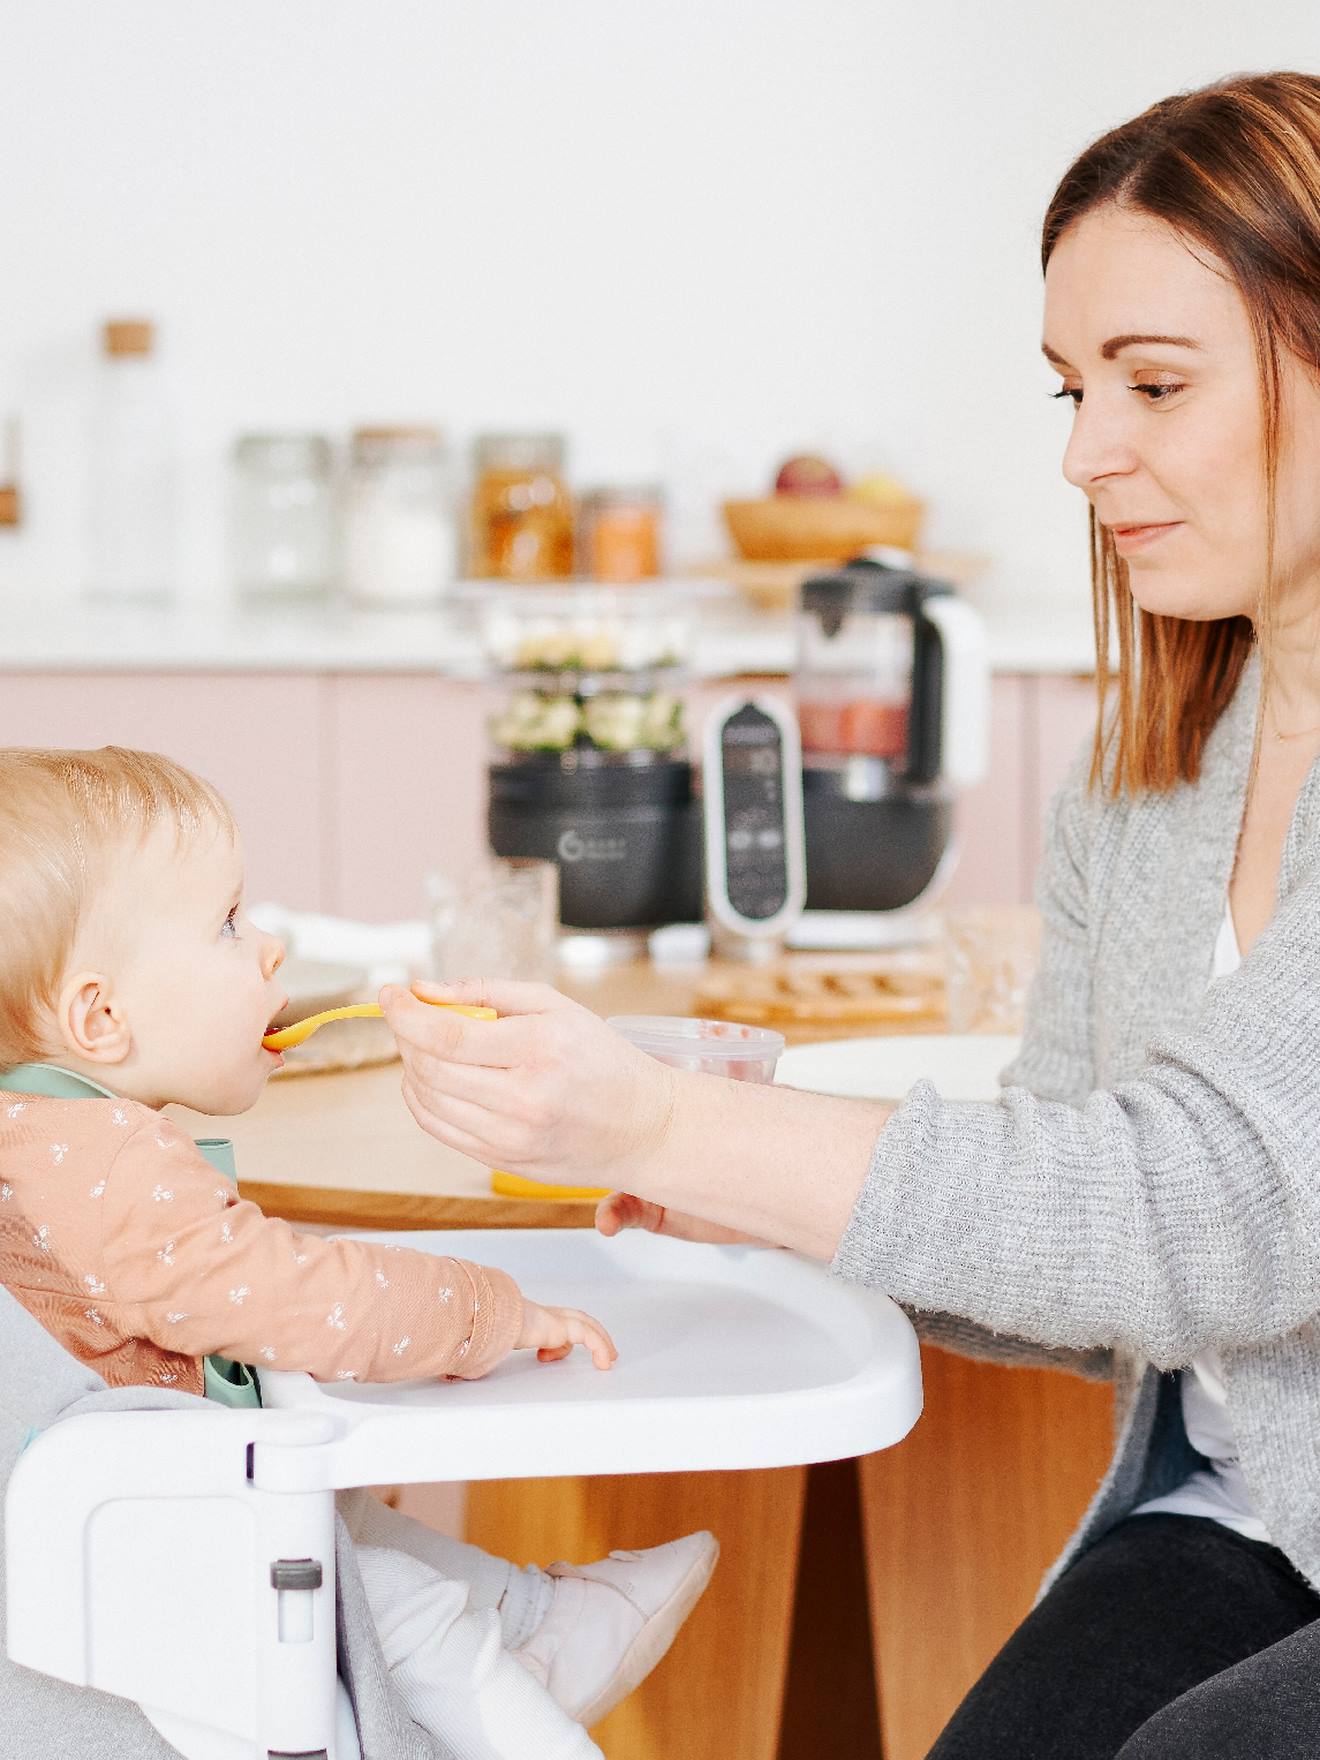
552, 1333
547, 1091
550, 1092
622, 1210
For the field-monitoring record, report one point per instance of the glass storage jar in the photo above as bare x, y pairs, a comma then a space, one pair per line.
283, 516
619, 534
401, 533
522, 514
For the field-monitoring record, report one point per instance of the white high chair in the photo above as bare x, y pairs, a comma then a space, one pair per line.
185, 1559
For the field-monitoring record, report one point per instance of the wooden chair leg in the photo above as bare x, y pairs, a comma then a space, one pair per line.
830, 1700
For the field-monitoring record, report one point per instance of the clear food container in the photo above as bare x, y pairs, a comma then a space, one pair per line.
610, 722
593, 672
714, 1048
584, 629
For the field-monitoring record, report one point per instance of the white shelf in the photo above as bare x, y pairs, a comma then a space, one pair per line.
1023, 639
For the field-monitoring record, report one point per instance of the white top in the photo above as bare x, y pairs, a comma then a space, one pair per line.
1219, 1490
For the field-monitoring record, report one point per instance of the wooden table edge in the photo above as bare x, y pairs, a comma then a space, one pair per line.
352, 1207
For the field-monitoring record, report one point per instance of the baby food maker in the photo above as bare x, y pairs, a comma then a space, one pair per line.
892, 687
589, 765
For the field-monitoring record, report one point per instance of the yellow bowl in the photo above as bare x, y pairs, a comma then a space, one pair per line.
819, 528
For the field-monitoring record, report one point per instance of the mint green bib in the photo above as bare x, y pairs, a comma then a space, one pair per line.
229, 1384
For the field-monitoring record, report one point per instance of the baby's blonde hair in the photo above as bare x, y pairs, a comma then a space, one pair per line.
63, 817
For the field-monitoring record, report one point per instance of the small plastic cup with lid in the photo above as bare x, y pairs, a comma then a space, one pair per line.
714, 1048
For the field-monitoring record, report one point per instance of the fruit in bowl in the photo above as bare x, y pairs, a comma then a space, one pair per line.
878, 490
805, 474
813, 516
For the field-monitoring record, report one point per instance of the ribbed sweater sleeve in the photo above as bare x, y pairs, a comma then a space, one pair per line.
1172, 1211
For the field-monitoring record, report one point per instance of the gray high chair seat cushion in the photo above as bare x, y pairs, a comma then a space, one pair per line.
46, 1719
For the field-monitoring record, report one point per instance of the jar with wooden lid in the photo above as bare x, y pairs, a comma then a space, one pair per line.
401, 522
619, 534
522, 514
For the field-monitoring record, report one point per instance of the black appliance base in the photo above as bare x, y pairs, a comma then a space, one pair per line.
872, 855
628, 844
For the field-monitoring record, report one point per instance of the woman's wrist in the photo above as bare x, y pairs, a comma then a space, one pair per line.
776, 1163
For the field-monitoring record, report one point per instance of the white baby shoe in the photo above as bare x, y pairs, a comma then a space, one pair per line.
610, 1623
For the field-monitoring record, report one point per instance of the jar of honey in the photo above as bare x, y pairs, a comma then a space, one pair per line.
522, 514
619, 534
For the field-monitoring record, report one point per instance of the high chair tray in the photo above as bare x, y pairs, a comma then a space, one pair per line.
728, 1357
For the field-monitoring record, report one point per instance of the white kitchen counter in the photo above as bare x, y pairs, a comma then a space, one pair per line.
733, 640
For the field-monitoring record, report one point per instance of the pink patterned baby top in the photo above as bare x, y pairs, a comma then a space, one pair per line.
119, 1236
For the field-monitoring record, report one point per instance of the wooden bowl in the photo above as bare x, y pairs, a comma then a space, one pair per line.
818, 528
773, 586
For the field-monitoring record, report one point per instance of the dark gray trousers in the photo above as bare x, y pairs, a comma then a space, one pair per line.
1173, 1638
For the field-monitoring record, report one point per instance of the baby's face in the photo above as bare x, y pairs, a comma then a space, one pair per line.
195, 981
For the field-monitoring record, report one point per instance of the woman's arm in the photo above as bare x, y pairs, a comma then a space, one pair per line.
550, 1091
1181, 1209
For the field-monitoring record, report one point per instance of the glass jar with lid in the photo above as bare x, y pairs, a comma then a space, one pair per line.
282, 504
619, 533
401, 531
522, 514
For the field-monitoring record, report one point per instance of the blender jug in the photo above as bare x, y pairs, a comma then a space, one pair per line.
892, 688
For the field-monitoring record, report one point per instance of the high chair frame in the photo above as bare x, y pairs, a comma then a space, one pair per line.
185, 1559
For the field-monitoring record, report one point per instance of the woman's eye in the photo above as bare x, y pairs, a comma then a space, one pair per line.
1156, 393
1072, 391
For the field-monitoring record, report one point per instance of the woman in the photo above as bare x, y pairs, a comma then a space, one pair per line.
1143, 1201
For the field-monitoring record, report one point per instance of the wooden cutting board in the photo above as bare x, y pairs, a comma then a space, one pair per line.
831, 993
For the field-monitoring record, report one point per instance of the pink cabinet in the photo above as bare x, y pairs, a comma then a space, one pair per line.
258, 737
405, 788
349, 787
990, 819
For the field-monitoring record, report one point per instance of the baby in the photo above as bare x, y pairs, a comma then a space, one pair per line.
130, 979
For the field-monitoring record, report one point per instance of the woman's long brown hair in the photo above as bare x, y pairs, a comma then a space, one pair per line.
1235, 168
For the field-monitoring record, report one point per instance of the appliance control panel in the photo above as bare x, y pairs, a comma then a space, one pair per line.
752, 805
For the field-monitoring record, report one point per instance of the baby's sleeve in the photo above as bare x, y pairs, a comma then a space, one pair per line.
195, 1268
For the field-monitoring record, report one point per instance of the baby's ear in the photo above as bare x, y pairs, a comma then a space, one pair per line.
90, 1020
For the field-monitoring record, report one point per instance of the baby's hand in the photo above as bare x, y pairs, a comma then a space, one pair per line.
552, 1333
622, 1210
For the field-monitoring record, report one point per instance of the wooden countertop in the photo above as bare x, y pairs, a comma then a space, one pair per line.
340, 1149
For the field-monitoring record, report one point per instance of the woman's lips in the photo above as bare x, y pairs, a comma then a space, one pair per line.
1129, 539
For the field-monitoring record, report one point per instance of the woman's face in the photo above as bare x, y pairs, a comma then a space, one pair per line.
1154, 345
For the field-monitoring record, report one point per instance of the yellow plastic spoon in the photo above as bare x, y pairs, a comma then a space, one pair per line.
513, 1185
302, 1030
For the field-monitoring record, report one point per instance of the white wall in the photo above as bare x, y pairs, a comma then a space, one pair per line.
696, 234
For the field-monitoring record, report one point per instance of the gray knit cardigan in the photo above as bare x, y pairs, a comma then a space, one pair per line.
1148, 1183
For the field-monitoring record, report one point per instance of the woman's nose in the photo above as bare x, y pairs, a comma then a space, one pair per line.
1098, 447
273, 955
